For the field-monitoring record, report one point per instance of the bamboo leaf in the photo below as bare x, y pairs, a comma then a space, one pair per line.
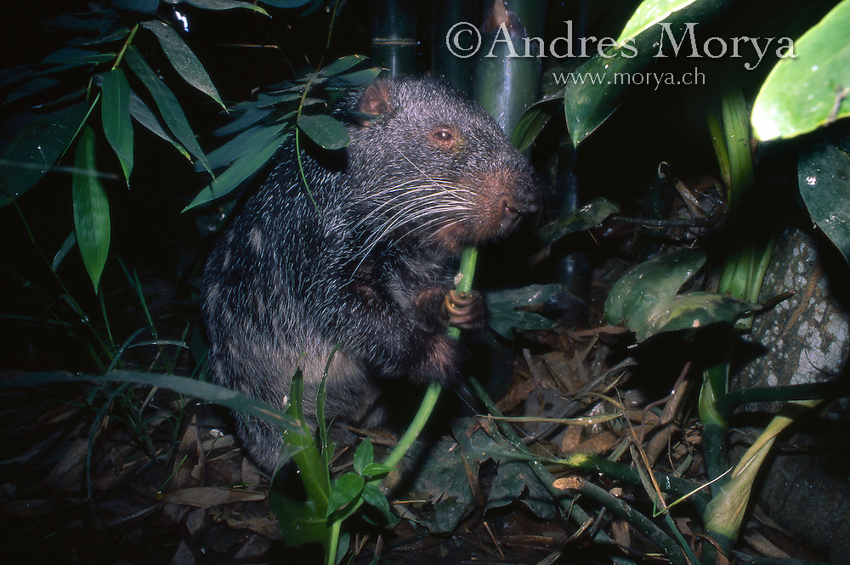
240, 170
167, 103
249, 141
342, 64
326, 131
117, 123
183, 59
286, 3
72, 55
144, 115
69, 244
36, 148
811, 90
138, 6
91, 208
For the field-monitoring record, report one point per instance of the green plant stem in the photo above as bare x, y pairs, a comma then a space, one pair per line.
426, 407
566, 500
619, 507
725, 513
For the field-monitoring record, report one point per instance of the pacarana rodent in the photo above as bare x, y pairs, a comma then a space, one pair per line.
363, 260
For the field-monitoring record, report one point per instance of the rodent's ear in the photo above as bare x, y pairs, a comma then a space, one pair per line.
376, 99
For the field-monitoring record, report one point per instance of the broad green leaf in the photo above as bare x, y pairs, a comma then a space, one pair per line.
91, 208
240, 170
532, 123
503, 304
824, 181
646, 298
649, 13
591, 215
326, 131
344, 491
220, 5
363, 456
596, 89
182, 58
375, 497
144, 115
36, 148
341, 65
167, 103
810, 90
117, 123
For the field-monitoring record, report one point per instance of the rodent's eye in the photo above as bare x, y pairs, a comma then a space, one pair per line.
443, 135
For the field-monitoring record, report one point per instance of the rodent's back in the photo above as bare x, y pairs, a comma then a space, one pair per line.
358, 261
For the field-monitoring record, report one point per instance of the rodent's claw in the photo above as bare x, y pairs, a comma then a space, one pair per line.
467, 311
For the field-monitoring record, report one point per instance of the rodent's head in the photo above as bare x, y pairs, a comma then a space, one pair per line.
431, 164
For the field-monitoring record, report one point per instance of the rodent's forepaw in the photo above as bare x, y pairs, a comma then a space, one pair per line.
466, 310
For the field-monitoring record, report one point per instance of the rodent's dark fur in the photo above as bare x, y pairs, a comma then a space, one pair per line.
363, 260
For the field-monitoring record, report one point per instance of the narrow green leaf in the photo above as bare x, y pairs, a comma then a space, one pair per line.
91, 208
240, 170
812, 89
144, 115
74, 55
249, 141
326, 131
147, 7
69, 244
347, 488
353, 80
117, 123
286, 3
532, 123
36, 148
251, 116
342, 64
226, 397
824, 181
182, 58
167, 103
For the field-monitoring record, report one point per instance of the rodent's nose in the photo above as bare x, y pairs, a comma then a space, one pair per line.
519, 204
